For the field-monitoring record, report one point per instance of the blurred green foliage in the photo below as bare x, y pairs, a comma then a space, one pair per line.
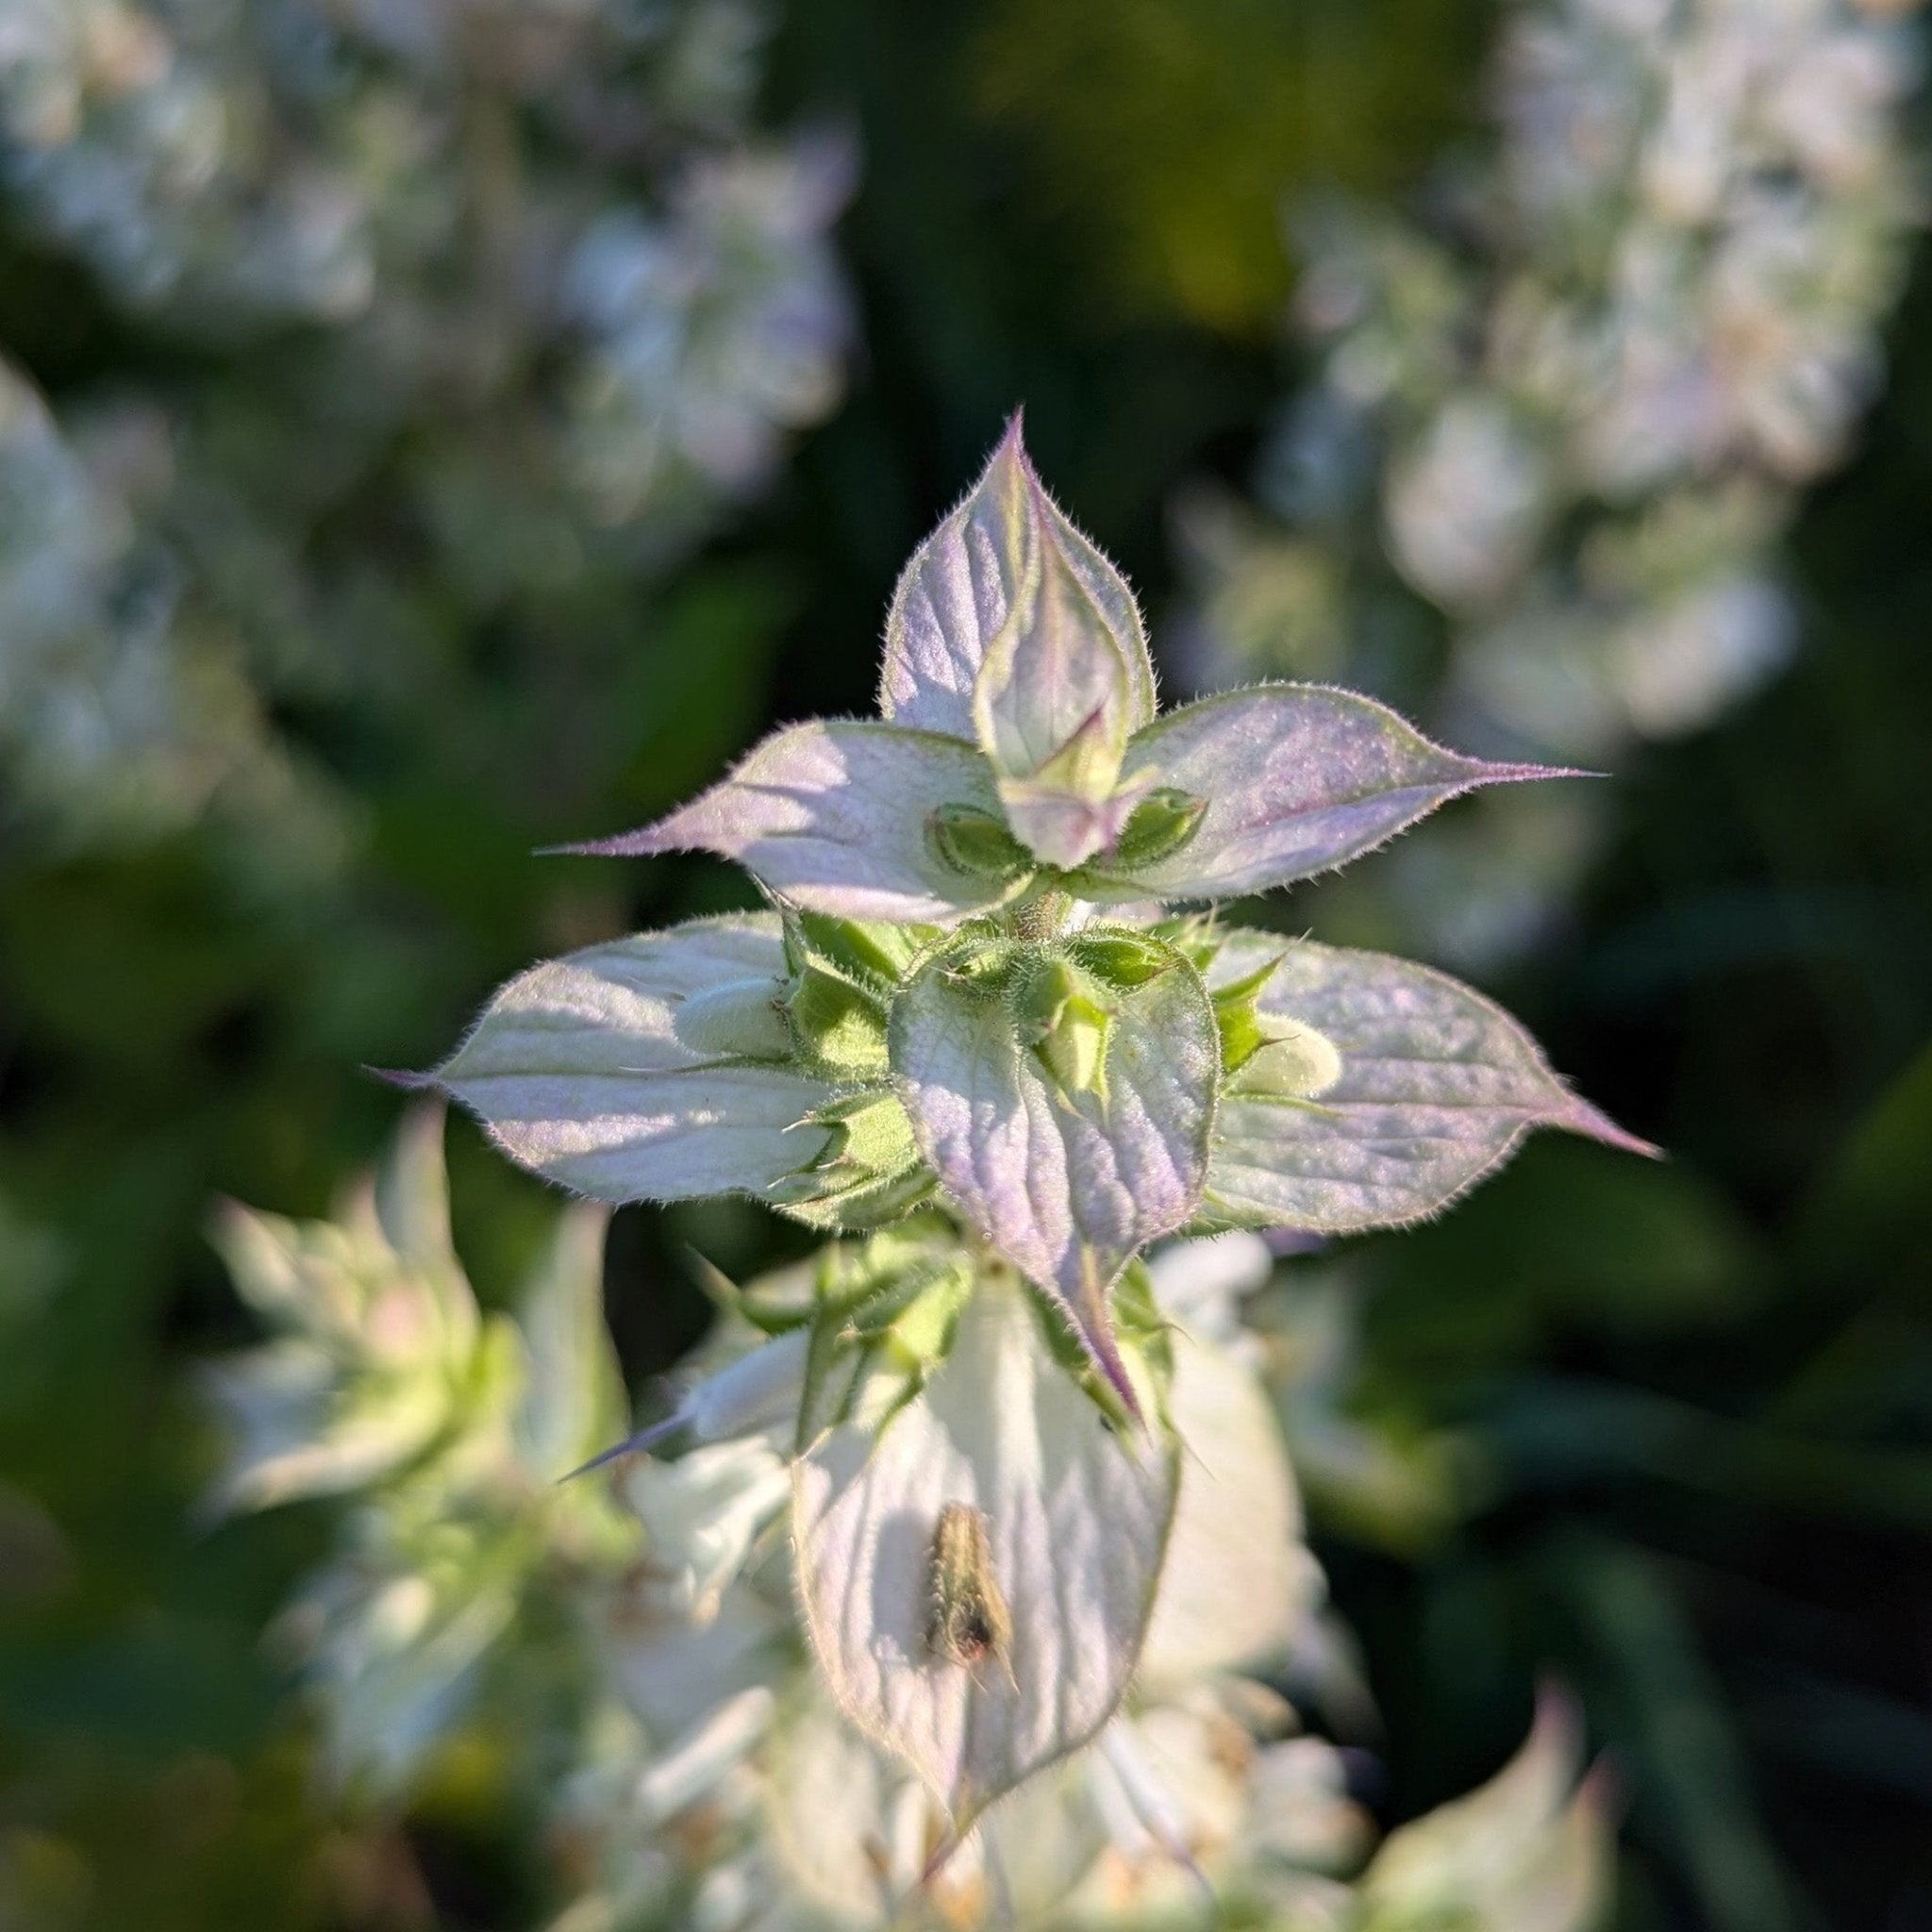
1667, 1432
1165, 135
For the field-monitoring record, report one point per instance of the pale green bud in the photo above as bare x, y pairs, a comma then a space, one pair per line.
1159, 827
976, 844
1268, 1055
743, 1019
1294, 1063
1065, 1015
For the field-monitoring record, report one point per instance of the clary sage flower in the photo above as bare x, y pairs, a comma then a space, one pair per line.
981, 1020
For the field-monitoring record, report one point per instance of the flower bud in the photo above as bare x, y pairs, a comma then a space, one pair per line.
743, 1018
976, 844
1065, 1016
1267, 1056
1294, 1063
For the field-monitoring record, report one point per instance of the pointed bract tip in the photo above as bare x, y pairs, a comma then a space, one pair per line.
937, 1863
1529, 775
401, 1077
645, 842
631, 1445
1101, 1345
715, 1285
1594, 1124
1601, 1791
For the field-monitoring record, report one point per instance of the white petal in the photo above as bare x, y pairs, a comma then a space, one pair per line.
1522, 1850
1238, 1581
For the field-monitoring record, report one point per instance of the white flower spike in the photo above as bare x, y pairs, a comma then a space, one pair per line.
964, 1032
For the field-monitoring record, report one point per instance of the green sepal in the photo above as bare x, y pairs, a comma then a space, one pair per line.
1243, 1032
1065, 1016
857, 1202
1123, 959
868, 952
900, 1291
880, 1311
773, 1304
988, 969
836, 1024
1195, 936
867, 1174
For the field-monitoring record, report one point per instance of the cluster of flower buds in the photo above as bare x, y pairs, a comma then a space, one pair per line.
971, 1022
1573, 411
542, 247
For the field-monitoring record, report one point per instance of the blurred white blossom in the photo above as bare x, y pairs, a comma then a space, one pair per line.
1573, 410
710, 1779
533, 267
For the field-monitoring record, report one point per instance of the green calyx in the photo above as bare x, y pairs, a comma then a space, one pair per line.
868, 1171
1063, 992
891, 1301
836, 1024
845, 973
1065, 1014
866, 952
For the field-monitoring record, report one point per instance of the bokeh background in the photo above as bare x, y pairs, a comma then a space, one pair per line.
437, 429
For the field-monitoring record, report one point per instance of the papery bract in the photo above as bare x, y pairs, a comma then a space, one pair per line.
1531, 1847
956, 603
578, 1069
1293, 779
1436, 1085
834, 816
1238, 1581
1076, 1518
1070, 1136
